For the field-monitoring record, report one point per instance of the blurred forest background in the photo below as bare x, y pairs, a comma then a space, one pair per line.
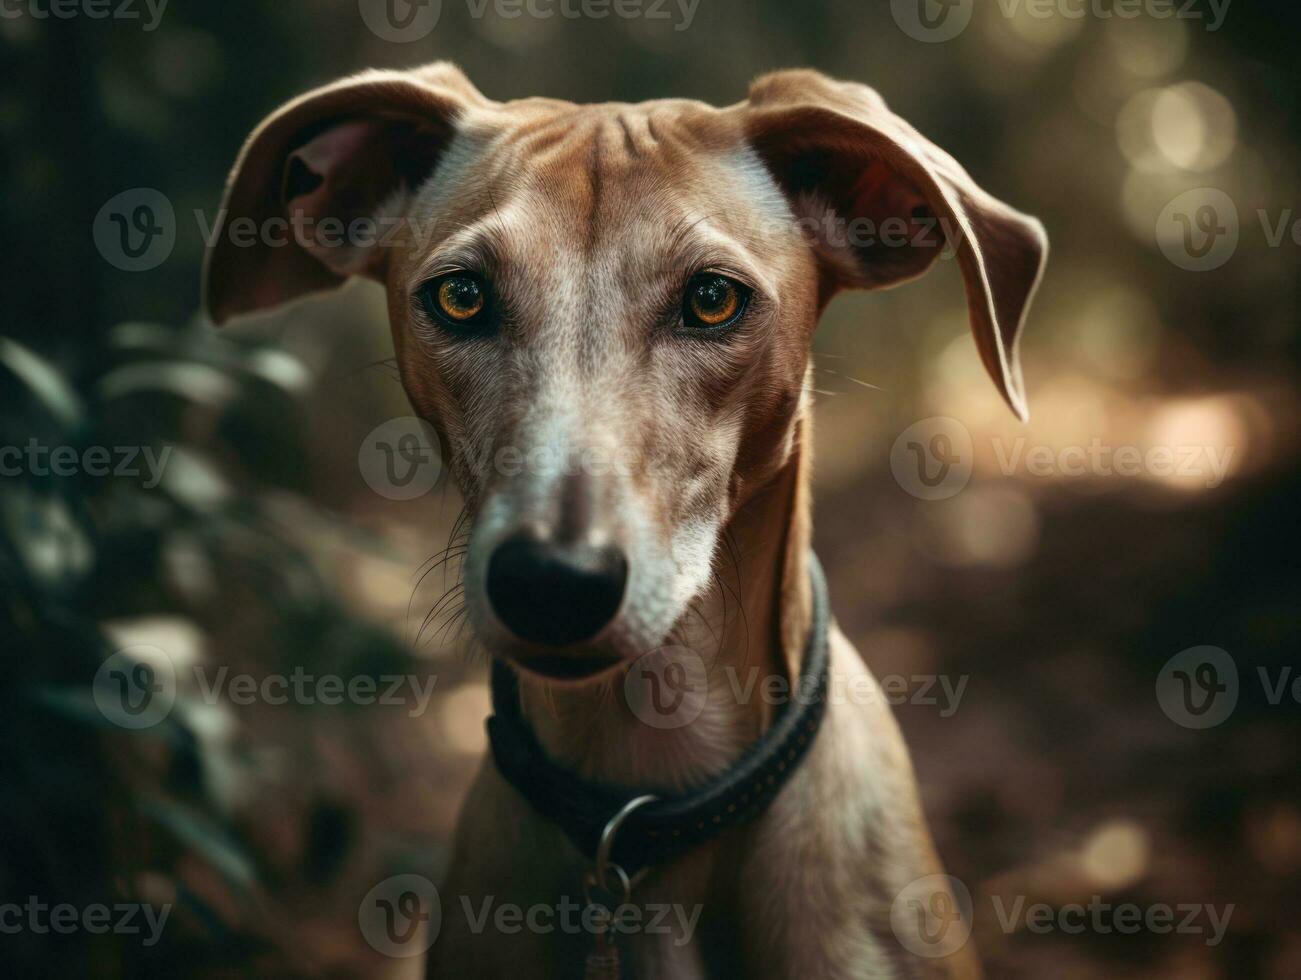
1060, 598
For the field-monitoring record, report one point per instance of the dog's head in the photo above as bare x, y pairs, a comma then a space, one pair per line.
606, 310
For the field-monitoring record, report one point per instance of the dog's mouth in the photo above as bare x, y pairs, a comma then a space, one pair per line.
570, 668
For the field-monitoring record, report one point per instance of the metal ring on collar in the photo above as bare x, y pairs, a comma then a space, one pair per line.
606, 845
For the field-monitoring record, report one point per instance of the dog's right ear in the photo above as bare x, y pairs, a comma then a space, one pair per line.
289, 222
839, 145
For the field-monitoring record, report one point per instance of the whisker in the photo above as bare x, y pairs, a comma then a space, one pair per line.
458, 616
855, 380
456, 549
388, 364
729, 541
452, 594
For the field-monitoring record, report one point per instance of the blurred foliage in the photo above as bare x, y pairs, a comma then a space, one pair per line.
167, 815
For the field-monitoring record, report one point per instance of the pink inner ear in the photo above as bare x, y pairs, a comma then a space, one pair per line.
338, 176
327, 176
330, 152
880, 194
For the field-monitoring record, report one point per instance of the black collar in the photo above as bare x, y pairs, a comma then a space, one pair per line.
671, 825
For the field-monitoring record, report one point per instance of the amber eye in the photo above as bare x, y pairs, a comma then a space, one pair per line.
713, 301
458, 299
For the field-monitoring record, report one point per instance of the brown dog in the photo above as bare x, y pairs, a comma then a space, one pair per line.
606, 312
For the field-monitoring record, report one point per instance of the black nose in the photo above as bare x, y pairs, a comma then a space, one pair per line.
555, 594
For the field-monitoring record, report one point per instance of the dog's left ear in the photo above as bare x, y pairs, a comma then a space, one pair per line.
834, 144
317, 186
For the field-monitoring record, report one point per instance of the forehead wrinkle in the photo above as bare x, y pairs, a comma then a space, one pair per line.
603, 173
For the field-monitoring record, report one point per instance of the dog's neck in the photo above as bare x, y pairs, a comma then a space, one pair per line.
752, 630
